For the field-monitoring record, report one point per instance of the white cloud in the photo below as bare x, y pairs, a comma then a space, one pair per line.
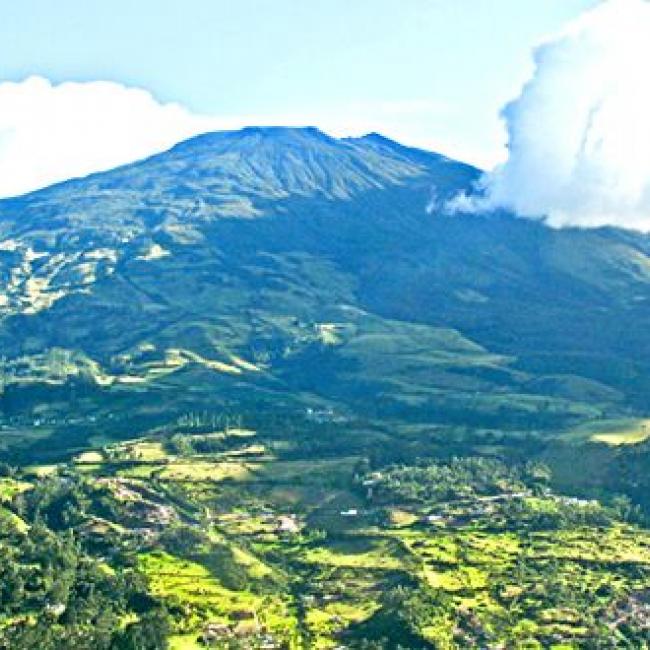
579, 133
52, 132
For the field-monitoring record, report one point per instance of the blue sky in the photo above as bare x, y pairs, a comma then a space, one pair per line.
434, 73
239, 55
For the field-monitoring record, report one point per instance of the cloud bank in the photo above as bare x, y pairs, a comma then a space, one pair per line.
579, 133
49, 132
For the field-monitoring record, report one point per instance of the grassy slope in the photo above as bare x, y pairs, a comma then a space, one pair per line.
291, 272
512, 584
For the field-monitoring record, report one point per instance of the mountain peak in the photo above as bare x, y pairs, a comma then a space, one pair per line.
250, 171
373, 136
277, 136
272, 162
284, 132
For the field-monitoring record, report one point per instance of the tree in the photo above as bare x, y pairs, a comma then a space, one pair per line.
181, 539
149, 632
181, 445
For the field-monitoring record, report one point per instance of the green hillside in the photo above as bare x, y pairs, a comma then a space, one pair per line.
283, 271
263, 391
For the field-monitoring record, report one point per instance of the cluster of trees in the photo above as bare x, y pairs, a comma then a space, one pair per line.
552, 584
458, 478
60, 503
187, 445
55, 594
562, 515
397, 625
206, 421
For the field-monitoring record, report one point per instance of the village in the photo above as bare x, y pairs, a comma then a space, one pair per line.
215, 532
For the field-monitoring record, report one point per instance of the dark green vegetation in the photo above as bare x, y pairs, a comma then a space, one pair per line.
276, 270
423, 386
133, 547
57, 590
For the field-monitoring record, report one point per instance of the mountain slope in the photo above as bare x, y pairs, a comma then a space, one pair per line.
284, 275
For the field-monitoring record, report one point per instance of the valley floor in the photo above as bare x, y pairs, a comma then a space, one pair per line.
242, 548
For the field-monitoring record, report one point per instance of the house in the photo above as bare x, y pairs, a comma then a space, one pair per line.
157, 514
580, 503
434, 520
55, 609
331, 598
287, 524
246, 628
145, 535
267, 642
214, 632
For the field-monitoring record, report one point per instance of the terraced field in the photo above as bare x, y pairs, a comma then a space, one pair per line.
328, 553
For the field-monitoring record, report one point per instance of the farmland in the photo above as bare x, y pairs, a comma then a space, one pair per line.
242, 546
